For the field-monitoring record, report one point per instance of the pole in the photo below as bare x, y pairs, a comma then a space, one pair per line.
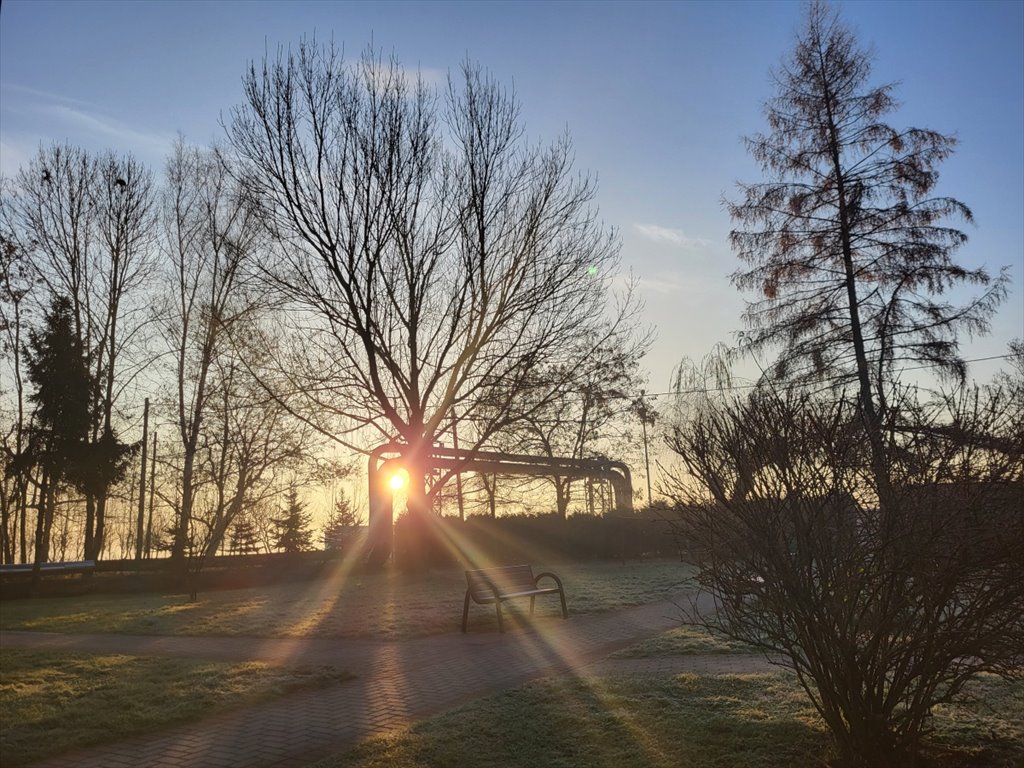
647, 460
142, 483
458, 475
152, 492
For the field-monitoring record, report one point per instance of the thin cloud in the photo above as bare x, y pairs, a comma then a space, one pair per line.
72, 116
110, 129
669, 236
383, 73
45, 96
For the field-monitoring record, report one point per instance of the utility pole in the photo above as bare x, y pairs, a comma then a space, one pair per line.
142, 483
641, 410
458, 475
647, 462
152, 492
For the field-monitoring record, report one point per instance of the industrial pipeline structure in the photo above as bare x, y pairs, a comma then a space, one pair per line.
386, 462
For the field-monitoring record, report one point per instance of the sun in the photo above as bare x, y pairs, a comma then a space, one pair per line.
398, 480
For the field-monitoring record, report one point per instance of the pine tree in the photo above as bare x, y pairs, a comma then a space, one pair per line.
58, 369
244, 539
342, 524
294, 534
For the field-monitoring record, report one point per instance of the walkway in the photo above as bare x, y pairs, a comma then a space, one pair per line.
397, 683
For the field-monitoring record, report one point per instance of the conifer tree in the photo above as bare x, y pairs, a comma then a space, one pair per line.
58, 369
294, 534
846, 241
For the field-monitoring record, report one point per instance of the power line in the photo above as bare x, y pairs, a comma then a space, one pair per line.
753, 385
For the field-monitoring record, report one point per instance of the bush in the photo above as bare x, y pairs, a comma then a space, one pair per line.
883, 604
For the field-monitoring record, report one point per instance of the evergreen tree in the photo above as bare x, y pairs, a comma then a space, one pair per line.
58, 370
244, 539
342, 524
294, 534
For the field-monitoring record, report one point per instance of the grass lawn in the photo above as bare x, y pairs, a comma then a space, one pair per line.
52, 702
687, 640
734, 721
387, 605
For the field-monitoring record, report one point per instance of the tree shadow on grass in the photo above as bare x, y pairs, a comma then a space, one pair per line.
712, 721
608, 723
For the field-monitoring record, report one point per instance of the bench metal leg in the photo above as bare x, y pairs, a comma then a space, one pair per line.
565, 612
497, 608
532, 598
465, 611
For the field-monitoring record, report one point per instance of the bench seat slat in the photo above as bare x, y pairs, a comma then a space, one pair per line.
487, 597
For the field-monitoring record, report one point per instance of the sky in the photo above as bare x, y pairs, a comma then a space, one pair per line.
656, 96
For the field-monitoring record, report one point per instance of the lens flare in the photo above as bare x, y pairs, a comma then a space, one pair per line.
398, 480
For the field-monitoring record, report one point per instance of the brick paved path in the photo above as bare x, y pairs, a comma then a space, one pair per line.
397, 684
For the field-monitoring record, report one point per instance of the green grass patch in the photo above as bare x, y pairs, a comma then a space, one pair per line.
740, 721
737, 721
387, 605
687, 640
52, 702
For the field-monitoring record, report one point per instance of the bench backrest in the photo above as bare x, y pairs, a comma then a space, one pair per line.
508, 579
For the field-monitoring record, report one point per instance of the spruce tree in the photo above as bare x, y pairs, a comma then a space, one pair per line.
294, 534
58, 370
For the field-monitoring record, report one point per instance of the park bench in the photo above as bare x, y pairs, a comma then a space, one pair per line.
78, 566
495, 585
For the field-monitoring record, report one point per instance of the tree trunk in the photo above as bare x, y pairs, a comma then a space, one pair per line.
561, 497
24, 524
6, 539
101, 531
141, 517
872, 420
41, 553
418, 546
90, 523
180, 545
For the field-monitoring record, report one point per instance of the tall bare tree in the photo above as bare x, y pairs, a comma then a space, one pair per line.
429, 256
16, 281
87, 226
209, 238
848, 246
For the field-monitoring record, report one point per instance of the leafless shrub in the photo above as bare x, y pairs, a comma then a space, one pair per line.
881, 610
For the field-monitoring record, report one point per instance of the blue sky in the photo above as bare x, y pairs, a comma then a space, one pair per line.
655, 95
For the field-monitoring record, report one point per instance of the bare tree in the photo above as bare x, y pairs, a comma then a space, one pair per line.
253, 452
16, 281
429, 257
584, 416
123, 198
234, 442
209, 234
847, 244
86, 224
882, 612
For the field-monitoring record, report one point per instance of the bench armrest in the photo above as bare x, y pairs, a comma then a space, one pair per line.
558, 581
